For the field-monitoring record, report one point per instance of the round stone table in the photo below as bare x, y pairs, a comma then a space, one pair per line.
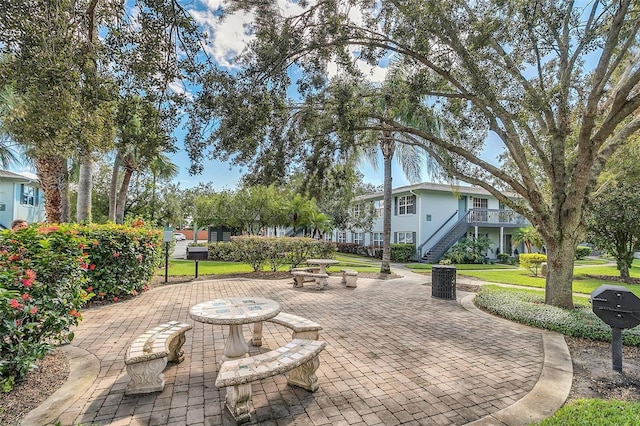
234, 312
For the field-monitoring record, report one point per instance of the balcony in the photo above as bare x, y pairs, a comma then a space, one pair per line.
496, 218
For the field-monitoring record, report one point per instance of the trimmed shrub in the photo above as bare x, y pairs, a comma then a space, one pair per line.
220, 250
300, 249
123, 258
503, 257
402, 252
532, 261
43, 275
582, 252
272, 251
349, 248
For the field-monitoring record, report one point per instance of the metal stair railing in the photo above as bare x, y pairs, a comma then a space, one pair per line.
452, 235
436, 232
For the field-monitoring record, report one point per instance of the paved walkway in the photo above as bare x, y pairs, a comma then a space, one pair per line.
394, 355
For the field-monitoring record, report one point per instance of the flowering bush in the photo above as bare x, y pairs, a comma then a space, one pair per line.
123, 258
42, 280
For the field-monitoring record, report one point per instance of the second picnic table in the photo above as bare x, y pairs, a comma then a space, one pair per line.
322, 263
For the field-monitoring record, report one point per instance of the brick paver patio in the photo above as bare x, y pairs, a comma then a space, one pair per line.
394, 356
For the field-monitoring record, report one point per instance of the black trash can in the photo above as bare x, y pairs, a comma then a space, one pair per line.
443, 282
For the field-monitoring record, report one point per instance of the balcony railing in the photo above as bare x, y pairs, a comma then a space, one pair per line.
496, 217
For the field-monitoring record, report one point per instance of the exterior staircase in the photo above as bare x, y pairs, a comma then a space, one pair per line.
440, 247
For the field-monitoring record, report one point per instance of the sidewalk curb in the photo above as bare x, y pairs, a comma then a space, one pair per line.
550, 391
83, 371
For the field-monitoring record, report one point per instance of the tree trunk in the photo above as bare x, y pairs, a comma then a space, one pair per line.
85, 185
122, 195
113, 189
387, 147
153, 200
560, 261
65, 202
624, 263
51, 171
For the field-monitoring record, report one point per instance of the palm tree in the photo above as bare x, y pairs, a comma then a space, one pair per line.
7, 99
161, 168
411, 157
299, 210
140, 140
527, 236
320, 224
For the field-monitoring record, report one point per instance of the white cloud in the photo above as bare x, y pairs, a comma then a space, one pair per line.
229, 36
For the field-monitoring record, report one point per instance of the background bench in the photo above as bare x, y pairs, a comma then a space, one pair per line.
349, 277
298, 357
149, 353
299, 276
302, 328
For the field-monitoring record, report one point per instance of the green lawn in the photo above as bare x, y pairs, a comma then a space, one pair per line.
205, 267
581, 283
178, 267
426, 267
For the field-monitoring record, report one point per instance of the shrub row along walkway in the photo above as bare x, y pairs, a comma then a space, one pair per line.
394, 355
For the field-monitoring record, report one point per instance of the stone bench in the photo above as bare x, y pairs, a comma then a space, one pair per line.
349, 277
299, 276
149, 353
298, 357
302, 328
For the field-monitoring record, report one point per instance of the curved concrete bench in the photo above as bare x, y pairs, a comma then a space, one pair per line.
298, 357
149, 353
302, 328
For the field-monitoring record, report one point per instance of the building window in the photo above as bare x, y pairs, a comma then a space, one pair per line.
406, 205
405, 238
342, 237
378, 205
428, 218
480, 206
357, 209
28, 195
378, 239
358, 238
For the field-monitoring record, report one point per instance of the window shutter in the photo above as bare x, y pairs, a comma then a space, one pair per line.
413, 205
395, 238
22, 193
395, 206
414, 239
37, 197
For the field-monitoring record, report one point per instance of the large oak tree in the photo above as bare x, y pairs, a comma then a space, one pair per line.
555, 83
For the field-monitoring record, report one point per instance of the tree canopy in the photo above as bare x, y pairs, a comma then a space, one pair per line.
614, 225
556, 83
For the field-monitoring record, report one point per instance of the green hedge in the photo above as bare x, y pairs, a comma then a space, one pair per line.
582, 252
403, 252
274, 252
123, 258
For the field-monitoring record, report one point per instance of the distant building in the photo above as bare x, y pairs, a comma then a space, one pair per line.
20, 198
435, 216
